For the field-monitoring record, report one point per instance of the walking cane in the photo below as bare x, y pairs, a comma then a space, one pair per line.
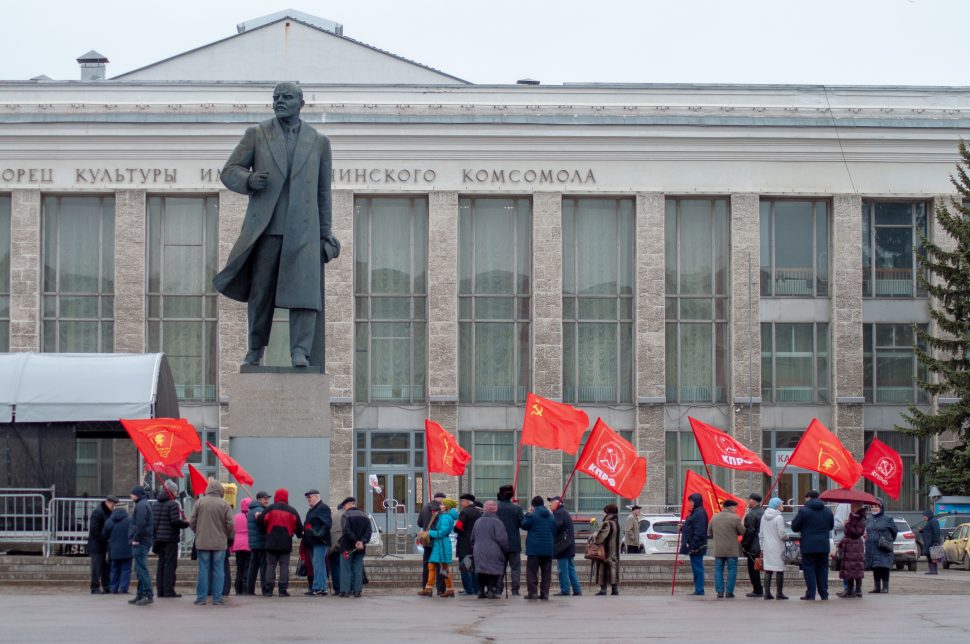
506, 582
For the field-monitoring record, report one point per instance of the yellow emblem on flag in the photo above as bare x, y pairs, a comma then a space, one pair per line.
536, 410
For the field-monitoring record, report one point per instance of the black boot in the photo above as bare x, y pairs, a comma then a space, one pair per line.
767, 586
615, 589
602, 590
780, 594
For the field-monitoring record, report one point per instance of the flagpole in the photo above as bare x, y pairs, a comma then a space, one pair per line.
427, 466
775, 482
713, 487
569, 480
515, 483
673, 583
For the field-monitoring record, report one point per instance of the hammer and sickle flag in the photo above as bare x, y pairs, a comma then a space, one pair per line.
820, 451
553, 425
445, 455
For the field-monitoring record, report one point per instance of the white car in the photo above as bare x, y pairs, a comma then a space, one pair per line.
658, 534
904, 547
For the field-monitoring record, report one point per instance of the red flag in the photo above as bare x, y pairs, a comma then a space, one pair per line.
164, 443
230, 464
553, 425
445, 455
199, 482
695, 483
883, 466
718, 448
613, 461
820, 451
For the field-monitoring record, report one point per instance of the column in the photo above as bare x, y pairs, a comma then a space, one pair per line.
547, 476
339, 315
847, 377
129, 278
651, 344
745, 331
25, 266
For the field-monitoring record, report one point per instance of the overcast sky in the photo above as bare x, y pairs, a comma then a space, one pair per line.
906, 42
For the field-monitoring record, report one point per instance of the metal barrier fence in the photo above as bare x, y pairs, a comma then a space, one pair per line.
24, 517
70, 518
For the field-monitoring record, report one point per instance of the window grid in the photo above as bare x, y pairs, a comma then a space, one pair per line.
888, 280
682, 454
77, 319
375, 334
575, 302
890, 367
172, 309
809, 281
816, 389
494, 454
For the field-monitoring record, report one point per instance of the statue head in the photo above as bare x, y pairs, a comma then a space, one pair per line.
287, 101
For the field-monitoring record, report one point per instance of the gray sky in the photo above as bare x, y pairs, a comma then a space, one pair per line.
869, 42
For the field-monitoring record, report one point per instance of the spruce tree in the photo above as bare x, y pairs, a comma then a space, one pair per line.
947, 354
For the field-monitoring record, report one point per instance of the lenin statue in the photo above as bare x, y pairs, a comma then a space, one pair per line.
284, 165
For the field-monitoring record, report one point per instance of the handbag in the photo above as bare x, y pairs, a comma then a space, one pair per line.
301, 569
424, 536
886, 545
792, 553
595, 551
936, 552
562, 543
759, 563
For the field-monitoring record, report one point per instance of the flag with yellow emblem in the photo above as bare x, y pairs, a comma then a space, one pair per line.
553, 425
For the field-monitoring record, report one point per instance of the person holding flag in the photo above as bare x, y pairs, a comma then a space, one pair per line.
693, 540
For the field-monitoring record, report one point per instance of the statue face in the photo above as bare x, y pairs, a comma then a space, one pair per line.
287, 101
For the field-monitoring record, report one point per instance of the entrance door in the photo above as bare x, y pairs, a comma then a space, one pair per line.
393, 507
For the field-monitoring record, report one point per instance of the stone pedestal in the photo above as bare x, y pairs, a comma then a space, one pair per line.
279, 429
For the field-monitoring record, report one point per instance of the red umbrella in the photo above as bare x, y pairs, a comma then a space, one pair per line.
844, 495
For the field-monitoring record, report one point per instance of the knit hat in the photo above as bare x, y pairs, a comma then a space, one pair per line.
172, 487
467, 497
754, 496
928, 514
449, 503
774, 503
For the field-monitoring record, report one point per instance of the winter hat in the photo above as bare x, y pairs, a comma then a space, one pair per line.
505, 493
172, 487
754, 496
138, 491
244, 505
282, 495
111, 498
811, 494
729, 503
774, 503
928, 514
449, 503
467, 497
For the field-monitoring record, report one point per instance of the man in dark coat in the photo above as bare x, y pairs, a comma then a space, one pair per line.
511, 516
814, 522
281, 521
97, 547
931, 537
140, 538
693, 540
316, 530
541, 528
564, 548
463, 528
284, 165
751, 544
167, 525
356, 534
424, 523
257, 543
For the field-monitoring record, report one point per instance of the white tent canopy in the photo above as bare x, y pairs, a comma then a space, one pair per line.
67, 387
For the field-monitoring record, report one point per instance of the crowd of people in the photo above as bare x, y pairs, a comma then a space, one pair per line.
488, 545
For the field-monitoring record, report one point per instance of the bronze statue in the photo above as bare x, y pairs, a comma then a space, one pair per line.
284, 165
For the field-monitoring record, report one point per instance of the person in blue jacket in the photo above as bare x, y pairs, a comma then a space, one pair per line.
541, 528
443, 517
115, 532
140, 538
693, 540
813, 523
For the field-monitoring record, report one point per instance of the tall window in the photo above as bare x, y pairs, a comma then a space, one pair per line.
585, 493
795, 363
494, 454
390, 288
914, 452
597, 306
495, 284
682, 455
4, 273
794, 248
183, 245
696, 248
889, 364
890, 238
78, 259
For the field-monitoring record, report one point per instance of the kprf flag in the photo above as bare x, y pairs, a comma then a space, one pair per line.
712, 497
553, 425
230, 464
718, 448
199, 482
445, 455
164, 443
883, 466
820, 451
613, 461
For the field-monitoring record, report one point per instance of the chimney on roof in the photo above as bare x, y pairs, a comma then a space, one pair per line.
92, 66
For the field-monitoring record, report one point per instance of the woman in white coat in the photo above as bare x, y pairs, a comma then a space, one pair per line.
773, 537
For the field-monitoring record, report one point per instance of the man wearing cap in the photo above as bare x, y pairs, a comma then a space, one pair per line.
631, 530
316, 527
813, 523
511, 515
353, 544
257, 543
424, 522
724, 529
750, 542
140, 538
564, 548
167, 524
97, 547
463, 527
